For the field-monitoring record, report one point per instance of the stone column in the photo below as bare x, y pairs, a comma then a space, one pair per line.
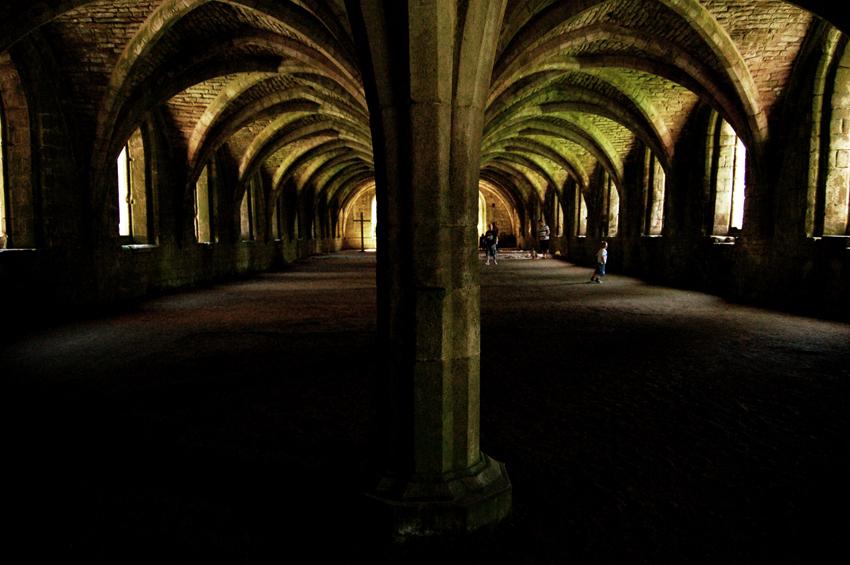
426, 67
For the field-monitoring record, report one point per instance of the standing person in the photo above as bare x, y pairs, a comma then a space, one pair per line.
543, 237
491, 242
601, 261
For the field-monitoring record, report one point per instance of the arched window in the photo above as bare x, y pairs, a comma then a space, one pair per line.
558, 230
246, 214
654, 180
611, 208
482, 214
553, 212
250, 211
278, 219
727, 160
833, 194
134, 201
205, 205
19, 225
3, 235
581, 213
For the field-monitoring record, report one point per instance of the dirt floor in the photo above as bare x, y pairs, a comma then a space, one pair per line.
639, 424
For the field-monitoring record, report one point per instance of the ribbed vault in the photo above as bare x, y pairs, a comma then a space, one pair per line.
577, 86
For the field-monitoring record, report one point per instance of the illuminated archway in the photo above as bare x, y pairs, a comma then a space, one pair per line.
494, 207
362, 208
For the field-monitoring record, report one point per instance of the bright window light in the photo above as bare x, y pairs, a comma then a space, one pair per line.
123, 193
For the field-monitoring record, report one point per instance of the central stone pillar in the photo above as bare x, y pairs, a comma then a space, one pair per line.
426, 67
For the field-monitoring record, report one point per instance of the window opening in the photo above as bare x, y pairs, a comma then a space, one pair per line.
653, 196
247, 213
581, 213
482, 214
730, 181
612, 207
559, 217
133, 192
833, 194
3, 232
203, 207
124, 198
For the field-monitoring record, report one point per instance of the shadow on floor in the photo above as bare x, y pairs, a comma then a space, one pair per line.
638, 425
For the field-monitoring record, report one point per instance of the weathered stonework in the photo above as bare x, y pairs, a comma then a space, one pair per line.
300, 105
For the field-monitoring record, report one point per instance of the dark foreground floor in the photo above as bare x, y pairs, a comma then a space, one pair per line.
638, 424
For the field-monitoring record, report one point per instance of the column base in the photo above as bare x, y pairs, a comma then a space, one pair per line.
418, 507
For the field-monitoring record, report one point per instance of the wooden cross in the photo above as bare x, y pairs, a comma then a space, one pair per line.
361, 221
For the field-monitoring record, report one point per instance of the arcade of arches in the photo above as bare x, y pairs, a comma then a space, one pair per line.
151, 145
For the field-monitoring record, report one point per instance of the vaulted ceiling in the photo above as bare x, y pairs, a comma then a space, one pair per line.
276, 83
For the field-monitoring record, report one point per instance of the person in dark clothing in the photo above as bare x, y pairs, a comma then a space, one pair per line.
491, 243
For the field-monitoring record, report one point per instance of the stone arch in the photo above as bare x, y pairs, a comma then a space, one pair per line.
511, 157
229, 96
346, 177
521, 188
276, 135
519, 51
642, 119
637, 124
530, 145
21, 17
212, 134
525, 194
340, 172
661, 58
298, 125
164, 18
328, 144
538, 25
128, 73
513, 169
346, 191
737, 71
512, 191
157, 25
555, 127
507, 189
232, 91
